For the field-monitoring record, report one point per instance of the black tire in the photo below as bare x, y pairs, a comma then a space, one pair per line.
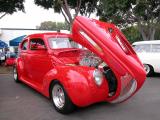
15, 74
67, 106
149, 69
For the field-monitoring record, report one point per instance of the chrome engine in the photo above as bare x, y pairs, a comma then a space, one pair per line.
89, 59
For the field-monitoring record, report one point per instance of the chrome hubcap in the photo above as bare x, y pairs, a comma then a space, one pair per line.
58, 96
15, 74
147, 68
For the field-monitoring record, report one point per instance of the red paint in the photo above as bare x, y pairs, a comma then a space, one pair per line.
38, 68
10, 61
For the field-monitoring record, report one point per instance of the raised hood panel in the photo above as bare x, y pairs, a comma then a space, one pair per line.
109, 44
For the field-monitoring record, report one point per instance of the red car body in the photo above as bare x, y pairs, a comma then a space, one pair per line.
10, 61
39, 68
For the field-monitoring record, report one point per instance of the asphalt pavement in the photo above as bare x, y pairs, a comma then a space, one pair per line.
20, 102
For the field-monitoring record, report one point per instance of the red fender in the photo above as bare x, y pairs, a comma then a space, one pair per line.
81, 90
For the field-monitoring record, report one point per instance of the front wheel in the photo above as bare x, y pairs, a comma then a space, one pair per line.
149, 69
15, 74
60, 99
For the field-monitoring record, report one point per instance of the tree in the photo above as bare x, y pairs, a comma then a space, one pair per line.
62, 26
10, 6
84, 7
49, 25
144, 13
157, 35
132, 34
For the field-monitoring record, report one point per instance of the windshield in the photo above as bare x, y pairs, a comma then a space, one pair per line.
55, 43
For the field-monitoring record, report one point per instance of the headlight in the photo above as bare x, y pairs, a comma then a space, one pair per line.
98, 77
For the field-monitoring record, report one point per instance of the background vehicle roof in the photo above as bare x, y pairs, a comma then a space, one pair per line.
147, 42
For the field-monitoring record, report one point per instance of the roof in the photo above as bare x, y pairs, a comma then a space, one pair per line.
147, 42
48, 34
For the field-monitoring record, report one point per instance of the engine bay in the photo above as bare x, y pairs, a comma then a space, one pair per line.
91, 60
84, 57
88, 58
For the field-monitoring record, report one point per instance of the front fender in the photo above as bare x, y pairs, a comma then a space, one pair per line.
78, 83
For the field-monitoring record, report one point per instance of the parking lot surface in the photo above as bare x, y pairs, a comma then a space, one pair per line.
20, 102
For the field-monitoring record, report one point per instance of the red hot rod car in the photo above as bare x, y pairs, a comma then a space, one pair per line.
95, 63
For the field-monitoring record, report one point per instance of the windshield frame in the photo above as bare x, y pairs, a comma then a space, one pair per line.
78, 46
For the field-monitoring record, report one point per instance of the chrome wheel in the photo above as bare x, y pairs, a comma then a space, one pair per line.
147, 69
58, 96
60, 99
15, 74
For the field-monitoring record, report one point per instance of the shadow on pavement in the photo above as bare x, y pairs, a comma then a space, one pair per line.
155, 75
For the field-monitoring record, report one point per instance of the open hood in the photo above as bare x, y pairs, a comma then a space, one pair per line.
107, 42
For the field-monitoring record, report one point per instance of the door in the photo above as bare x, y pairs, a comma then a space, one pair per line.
39, 61
144, 52
23, 62
155, 57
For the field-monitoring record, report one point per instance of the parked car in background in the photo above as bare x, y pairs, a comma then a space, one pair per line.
149, 54
93, 64
2, 57
10, 59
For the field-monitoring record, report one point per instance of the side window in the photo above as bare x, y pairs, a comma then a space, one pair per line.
142, 48
24, 45
37, 44
155, 47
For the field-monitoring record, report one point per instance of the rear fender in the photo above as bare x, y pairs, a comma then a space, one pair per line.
19, 67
